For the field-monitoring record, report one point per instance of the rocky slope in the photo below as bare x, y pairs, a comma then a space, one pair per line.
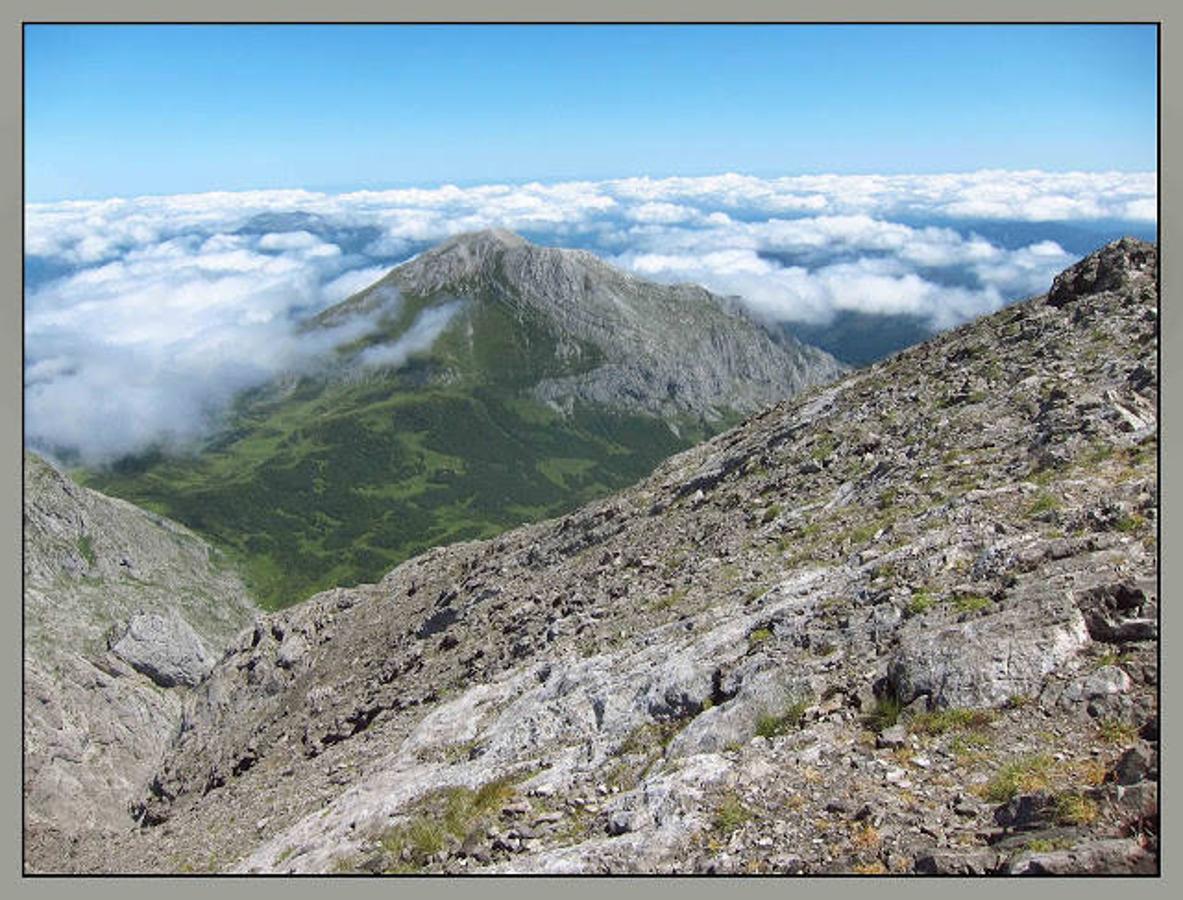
123, 611
903, 623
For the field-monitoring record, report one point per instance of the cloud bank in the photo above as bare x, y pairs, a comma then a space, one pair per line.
145, 316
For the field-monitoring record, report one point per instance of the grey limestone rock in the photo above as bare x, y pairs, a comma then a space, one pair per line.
1108, 857
165, 648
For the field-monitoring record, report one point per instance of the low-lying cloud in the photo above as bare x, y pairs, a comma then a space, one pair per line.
421, 335
145, 316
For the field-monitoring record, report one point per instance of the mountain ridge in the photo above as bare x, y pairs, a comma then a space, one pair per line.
633, 322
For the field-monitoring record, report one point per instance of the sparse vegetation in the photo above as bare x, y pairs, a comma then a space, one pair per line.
86, 549
885, 714
1075, 809
442, 818
1129, 524
874, 867
970, 747
1043, 503
955, 719
769, 725
759, 636
1114, 731
671, 599
730, 815
412, 844
921, 602
1020, 776
865, 837
825, 445
1047, 845
971, 603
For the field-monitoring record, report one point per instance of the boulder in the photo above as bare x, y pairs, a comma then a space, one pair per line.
985, 661
165, 648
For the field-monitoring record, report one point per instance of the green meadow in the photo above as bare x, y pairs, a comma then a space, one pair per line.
335, 478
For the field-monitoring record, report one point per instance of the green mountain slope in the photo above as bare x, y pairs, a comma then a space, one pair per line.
508, 385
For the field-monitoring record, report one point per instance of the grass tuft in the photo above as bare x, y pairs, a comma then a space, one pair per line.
730, 815
769, 725
885, 714
86, 548
944, 720
1020, 776
1114, 731
759, 636
1075, 809
971, 603
920, 603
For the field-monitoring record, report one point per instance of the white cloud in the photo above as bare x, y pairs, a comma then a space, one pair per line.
147, 314
421, 335
351, 282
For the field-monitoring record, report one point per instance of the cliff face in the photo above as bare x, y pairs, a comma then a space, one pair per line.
123, 610
906, 622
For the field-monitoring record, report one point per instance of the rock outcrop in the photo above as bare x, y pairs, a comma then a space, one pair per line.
901, 623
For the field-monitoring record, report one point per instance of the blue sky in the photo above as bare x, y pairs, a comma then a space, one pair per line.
133, 110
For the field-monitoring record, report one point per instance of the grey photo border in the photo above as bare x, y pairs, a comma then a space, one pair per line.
1171, 371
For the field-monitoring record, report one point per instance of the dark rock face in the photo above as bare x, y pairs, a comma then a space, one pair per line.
881, 627
1122, 265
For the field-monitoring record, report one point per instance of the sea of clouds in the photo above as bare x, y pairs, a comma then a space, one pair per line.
145, 316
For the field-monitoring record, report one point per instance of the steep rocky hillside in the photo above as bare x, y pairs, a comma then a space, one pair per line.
906, 622
496, 383
123, 612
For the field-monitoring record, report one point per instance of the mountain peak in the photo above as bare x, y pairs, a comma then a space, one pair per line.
496, 237
461, 258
